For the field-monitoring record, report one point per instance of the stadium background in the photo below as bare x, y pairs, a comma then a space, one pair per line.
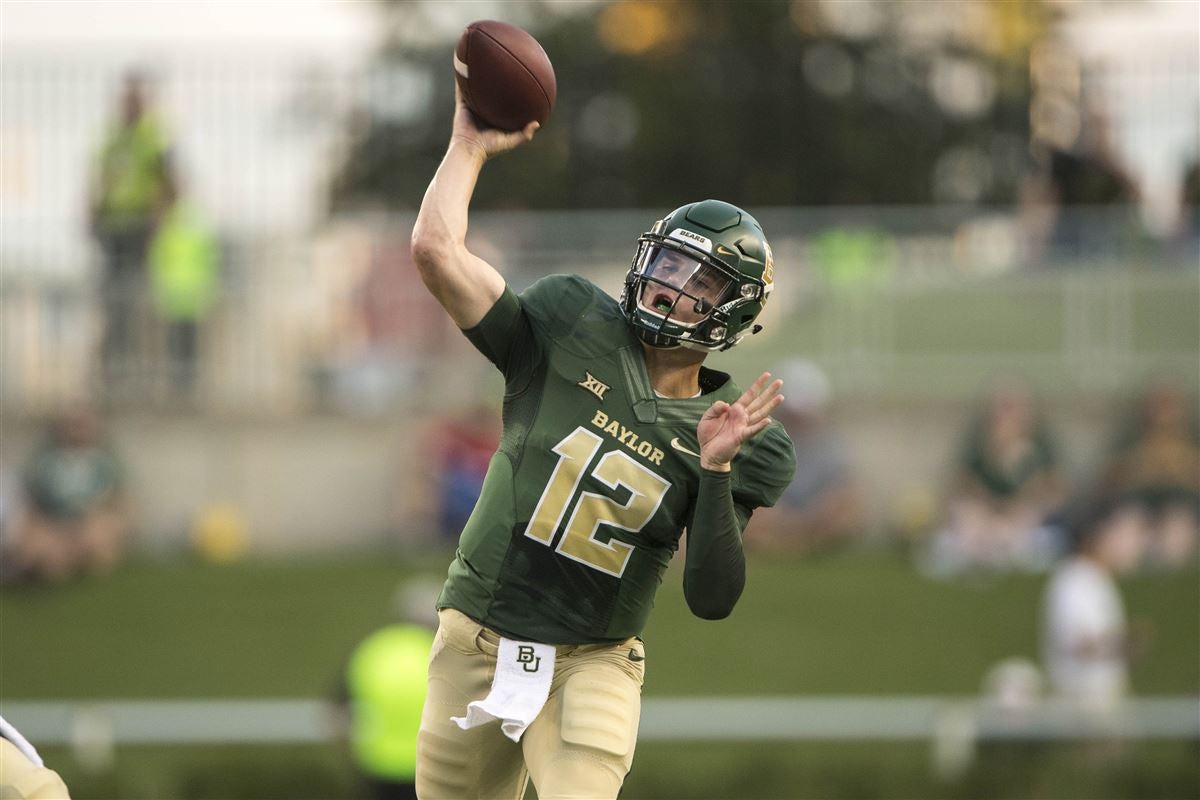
886, 148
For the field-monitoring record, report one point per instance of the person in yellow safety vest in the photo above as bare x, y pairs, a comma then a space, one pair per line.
130, 189
383, 693
184, 282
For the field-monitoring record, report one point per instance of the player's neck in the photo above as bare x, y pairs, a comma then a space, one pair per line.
674, 373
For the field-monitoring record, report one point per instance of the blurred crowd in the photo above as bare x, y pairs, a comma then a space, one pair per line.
1009, 504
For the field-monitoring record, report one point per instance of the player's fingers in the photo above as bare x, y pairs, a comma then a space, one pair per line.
511, 139
460, 107
756, 428
754, 390
765, 411
737, 414
765, 397
716, 409
499, 141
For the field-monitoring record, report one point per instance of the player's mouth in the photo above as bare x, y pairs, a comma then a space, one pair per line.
663, 303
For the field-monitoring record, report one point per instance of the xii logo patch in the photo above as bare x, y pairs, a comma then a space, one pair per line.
593, 385
526, 657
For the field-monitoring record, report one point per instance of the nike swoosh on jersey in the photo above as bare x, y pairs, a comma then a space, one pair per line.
634, 656
678, 445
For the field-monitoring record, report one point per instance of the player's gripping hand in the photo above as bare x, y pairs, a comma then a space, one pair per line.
487, 142
725, 426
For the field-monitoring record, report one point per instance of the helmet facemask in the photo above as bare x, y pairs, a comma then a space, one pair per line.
677, 295
678, 288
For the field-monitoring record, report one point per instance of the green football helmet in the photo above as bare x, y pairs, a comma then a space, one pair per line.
699, 279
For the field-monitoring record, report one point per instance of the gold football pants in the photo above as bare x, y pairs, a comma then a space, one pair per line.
580, 746
22, 779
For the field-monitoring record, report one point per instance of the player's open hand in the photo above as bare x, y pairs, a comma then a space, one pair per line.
725, 426
469, 129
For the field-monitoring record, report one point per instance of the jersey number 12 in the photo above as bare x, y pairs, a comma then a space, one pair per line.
592, 510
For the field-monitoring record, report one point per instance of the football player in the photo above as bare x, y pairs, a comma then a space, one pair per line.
616, 439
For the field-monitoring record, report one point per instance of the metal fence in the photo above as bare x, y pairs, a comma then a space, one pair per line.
339, 320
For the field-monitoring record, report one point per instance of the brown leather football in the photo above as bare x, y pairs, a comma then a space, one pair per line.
505, 76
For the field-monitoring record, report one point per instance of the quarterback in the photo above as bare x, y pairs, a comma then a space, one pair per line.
616, 440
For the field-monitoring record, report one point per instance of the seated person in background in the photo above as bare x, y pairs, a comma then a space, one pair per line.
445, 484
1085, 638
1155, 466
10, 517
822, 507
75, 518
465, 448
1006, 487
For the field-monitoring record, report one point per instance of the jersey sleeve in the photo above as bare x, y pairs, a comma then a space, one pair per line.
504, 335
517, 330
764, 470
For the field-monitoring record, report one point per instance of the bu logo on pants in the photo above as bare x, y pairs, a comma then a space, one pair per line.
526, 657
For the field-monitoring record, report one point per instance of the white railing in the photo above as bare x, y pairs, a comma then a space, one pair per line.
307, 721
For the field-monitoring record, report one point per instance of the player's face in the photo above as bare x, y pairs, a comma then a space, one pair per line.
678, 284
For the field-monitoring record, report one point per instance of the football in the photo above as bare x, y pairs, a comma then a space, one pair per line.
505, 76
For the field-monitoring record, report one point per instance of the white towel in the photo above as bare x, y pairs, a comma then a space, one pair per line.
519, 690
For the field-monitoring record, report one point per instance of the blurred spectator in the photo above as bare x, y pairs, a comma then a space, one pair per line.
1085, 638
1154, 467
854, 256
1006, 490
382, 693
184, 278
1190, 200
129, 193
1080, 193
463, 446
75, 520
822, 507
1013, 687
10, 517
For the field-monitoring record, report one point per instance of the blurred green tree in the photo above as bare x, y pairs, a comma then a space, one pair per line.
763, 104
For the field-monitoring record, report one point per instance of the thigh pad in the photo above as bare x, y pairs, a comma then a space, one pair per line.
600, 710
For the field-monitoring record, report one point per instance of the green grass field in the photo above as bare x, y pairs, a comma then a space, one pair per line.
855, 624
864, 624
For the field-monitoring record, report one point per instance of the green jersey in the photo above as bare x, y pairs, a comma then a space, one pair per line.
595, 478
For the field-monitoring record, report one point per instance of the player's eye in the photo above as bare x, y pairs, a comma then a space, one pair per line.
707, 285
